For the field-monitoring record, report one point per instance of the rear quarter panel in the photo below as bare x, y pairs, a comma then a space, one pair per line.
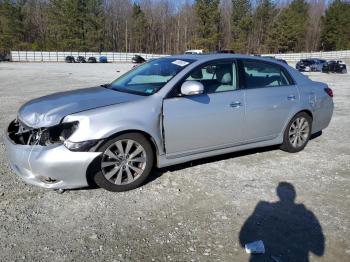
323, 107
314, 99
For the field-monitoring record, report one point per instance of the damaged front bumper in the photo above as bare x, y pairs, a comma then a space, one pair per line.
52, 166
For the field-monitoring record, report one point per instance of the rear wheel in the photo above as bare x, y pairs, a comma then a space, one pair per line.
125, 163
297, 133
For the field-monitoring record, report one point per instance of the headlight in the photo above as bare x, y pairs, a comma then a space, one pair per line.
80, 146
57, 134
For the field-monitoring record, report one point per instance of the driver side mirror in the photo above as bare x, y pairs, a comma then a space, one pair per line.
190, 87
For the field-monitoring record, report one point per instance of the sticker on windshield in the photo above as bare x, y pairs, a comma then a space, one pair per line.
180, 63
149, 91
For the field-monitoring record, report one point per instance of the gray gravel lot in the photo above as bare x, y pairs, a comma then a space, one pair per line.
190, 212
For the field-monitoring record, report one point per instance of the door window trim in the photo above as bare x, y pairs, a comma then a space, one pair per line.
239, 82
242, 78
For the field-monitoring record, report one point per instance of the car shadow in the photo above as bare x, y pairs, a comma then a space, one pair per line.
158, 172
288, 230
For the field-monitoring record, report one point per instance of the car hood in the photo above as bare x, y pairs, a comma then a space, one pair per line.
49, 110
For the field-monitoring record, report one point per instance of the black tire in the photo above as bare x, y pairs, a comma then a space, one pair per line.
99, 177
287, 145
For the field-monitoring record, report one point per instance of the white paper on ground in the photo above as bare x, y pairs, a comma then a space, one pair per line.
256, 247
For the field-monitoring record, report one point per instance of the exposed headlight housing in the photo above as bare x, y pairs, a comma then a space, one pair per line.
57, 134
60, 135
24, 135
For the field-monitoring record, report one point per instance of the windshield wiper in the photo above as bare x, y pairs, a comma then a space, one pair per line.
125, 90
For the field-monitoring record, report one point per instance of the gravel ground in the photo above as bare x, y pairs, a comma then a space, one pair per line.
190, 212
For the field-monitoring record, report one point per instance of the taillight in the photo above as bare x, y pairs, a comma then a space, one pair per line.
329, 91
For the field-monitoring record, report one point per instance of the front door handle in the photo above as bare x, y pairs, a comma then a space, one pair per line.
291, 97
236, 104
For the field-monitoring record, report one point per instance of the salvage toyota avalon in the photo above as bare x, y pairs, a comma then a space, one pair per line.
164, 112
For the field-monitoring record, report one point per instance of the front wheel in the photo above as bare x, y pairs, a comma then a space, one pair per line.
125, 163
297, 133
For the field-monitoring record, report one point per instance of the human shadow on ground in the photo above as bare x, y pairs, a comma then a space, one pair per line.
289, 230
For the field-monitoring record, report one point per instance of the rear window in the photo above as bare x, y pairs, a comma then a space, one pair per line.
260, 74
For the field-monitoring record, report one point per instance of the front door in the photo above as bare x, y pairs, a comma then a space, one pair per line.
208, 121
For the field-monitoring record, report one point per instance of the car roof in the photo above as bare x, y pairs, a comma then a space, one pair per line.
209, 57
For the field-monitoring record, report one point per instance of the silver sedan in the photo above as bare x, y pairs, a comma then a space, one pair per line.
164, 112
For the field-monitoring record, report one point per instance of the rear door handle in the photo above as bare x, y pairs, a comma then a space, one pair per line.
236, 104
291, 97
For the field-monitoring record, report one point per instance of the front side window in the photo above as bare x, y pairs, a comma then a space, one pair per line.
261, 74
216, 77
150, 77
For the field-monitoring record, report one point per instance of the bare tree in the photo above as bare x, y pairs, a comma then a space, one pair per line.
118, 15
225, 23
35, 21
316, 11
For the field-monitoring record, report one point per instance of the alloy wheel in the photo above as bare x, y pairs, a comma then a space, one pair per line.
123, 162
299, 132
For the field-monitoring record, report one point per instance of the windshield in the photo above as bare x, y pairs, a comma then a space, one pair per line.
150, 77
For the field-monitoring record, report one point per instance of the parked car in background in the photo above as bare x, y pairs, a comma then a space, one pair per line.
282, 60
274, 58
103, 59
310, 65
81, 59
225, 51
70, 59
92, 60
194, 52
5, 58
149, 60
165, 112
334, 67
137, 59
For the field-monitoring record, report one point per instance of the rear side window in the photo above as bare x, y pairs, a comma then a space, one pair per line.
260, 74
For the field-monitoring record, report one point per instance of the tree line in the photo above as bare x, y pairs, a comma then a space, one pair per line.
168, 26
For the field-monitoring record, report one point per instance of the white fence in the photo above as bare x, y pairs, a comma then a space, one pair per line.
333, 55
41, 56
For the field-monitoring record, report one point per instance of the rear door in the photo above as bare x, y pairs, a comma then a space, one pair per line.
270, 96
